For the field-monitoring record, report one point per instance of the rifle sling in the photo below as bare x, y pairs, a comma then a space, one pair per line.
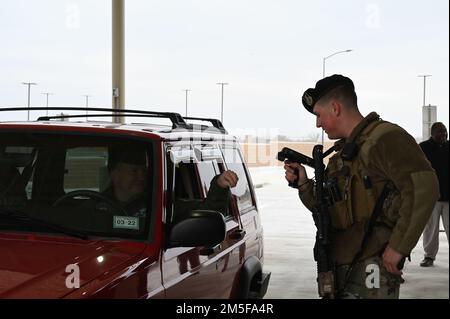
369, 228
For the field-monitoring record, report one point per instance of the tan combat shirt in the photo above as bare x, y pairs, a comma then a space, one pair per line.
386, 152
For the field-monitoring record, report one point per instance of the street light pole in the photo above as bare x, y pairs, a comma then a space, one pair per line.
427, 112
29, 84
46, 104
327, 57
323, 68
187, 90
87, 103
424, 85
221, 105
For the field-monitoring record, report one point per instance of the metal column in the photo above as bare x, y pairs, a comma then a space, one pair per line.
118, 57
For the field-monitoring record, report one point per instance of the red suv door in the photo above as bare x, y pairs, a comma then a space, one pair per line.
187, 272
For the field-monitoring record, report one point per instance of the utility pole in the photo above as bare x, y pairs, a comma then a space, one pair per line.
428, 112
29, 84
327, 57
186, 90
118, 57
424, 85
87, 103
221, 105
46, 104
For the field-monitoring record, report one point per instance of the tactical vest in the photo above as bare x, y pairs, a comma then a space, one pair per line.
359, 184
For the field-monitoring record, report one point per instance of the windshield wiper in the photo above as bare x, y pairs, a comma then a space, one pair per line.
21, 216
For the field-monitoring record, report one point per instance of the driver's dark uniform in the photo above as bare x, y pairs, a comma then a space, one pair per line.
136, 206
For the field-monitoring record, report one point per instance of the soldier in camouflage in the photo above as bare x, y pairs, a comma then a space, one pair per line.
375, 161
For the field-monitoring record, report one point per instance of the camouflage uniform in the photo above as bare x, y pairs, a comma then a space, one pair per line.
386, 154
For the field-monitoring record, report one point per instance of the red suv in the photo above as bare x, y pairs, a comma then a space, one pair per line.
62, 237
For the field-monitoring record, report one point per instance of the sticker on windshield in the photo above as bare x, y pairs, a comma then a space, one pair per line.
126, 222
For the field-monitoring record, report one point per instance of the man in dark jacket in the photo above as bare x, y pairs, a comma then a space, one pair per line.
436, 150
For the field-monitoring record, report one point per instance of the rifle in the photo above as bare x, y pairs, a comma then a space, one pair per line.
321, 216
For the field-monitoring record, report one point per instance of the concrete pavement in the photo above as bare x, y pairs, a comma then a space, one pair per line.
289, 238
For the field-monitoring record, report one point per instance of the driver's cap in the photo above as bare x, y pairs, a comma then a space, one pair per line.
126, 154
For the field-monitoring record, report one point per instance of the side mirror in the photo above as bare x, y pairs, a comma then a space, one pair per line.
200, 228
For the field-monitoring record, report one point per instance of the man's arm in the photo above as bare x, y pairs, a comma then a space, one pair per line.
417, 183
217, 198
219, 192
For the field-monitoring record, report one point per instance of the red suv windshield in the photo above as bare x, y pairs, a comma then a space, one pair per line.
101, 186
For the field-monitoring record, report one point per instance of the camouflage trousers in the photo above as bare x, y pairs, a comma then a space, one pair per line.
368, 280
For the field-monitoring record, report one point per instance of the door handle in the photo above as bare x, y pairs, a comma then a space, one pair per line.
206, 251
238, 234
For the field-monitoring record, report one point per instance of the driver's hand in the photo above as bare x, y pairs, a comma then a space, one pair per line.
227, 179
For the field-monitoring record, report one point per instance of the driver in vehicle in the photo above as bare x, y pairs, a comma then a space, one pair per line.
128, 171
128, 179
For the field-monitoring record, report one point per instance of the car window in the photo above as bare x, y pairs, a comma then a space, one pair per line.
103, 186
208, 158
207, 171
183, 175
193, 169
234, 162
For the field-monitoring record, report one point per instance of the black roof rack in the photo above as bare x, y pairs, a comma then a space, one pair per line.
177, 119
215, 122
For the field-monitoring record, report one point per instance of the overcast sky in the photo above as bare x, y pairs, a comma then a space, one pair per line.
268, 51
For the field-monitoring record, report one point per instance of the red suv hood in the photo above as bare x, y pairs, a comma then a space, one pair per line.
35, 267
